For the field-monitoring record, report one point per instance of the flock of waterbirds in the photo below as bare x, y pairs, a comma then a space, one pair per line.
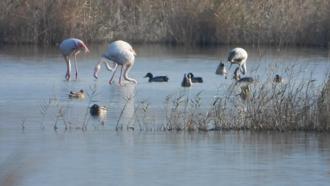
121, 53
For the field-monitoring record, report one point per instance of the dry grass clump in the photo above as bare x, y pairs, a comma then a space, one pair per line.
185, 113
294, 105
187, 22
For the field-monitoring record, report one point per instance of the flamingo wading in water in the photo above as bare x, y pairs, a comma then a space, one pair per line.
238, 56
121, 53
71, 47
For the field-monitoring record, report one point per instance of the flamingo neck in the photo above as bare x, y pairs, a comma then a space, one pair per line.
98, 66
126, 74
82, 45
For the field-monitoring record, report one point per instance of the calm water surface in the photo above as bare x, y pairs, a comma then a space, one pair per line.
101, 156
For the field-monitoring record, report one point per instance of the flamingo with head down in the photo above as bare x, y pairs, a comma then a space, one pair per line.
121, 53
238, 56
71, 47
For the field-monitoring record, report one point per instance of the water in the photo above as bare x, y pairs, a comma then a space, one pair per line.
38, 155
103, 157
38, 75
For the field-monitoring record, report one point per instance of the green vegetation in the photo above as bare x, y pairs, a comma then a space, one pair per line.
190, 22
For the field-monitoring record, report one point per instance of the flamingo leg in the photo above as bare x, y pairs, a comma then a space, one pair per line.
243, 68
75, 64
68, 67
121, 72
125, 72
113, 74
125, 75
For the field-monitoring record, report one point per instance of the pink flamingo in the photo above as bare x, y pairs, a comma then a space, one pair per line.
238, 56
121, 53
71, 47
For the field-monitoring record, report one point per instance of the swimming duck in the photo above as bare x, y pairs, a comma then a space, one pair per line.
97, 110
245, 93
221, 70
195, 79
246, 80
278, 79
237, 77
156, 78
186, 81
78, 95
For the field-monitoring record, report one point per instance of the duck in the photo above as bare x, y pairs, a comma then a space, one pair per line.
278, 79
239, 80
186, 81
221, 70
195, 79
78, 95
156, 78
96, 110
246, 80
245, 93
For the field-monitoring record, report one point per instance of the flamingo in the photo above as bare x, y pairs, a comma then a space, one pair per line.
71, 47
121, 53
238, 56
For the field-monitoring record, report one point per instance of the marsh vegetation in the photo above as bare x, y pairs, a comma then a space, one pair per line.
287, 106
180, 22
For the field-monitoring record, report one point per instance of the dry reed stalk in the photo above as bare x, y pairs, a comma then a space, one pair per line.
205, 22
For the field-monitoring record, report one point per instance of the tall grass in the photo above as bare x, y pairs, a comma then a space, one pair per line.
295, 104
190, 22
272, 106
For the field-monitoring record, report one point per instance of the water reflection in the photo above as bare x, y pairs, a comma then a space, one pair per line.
135, 158
123, 99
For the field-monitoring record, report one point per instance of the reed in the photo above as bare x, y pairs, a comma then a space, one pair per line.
186, 22
301, 104
272, 106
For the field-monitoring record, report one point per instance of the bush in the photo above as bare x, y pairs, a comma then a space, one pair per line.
181, 22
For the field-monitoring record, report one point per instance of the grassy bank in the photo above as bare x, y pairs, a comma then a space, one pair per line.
291, 22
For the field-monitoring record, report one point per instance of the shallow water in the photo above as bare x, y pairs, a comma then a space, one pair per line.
31, 76
103, 157
39, 156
